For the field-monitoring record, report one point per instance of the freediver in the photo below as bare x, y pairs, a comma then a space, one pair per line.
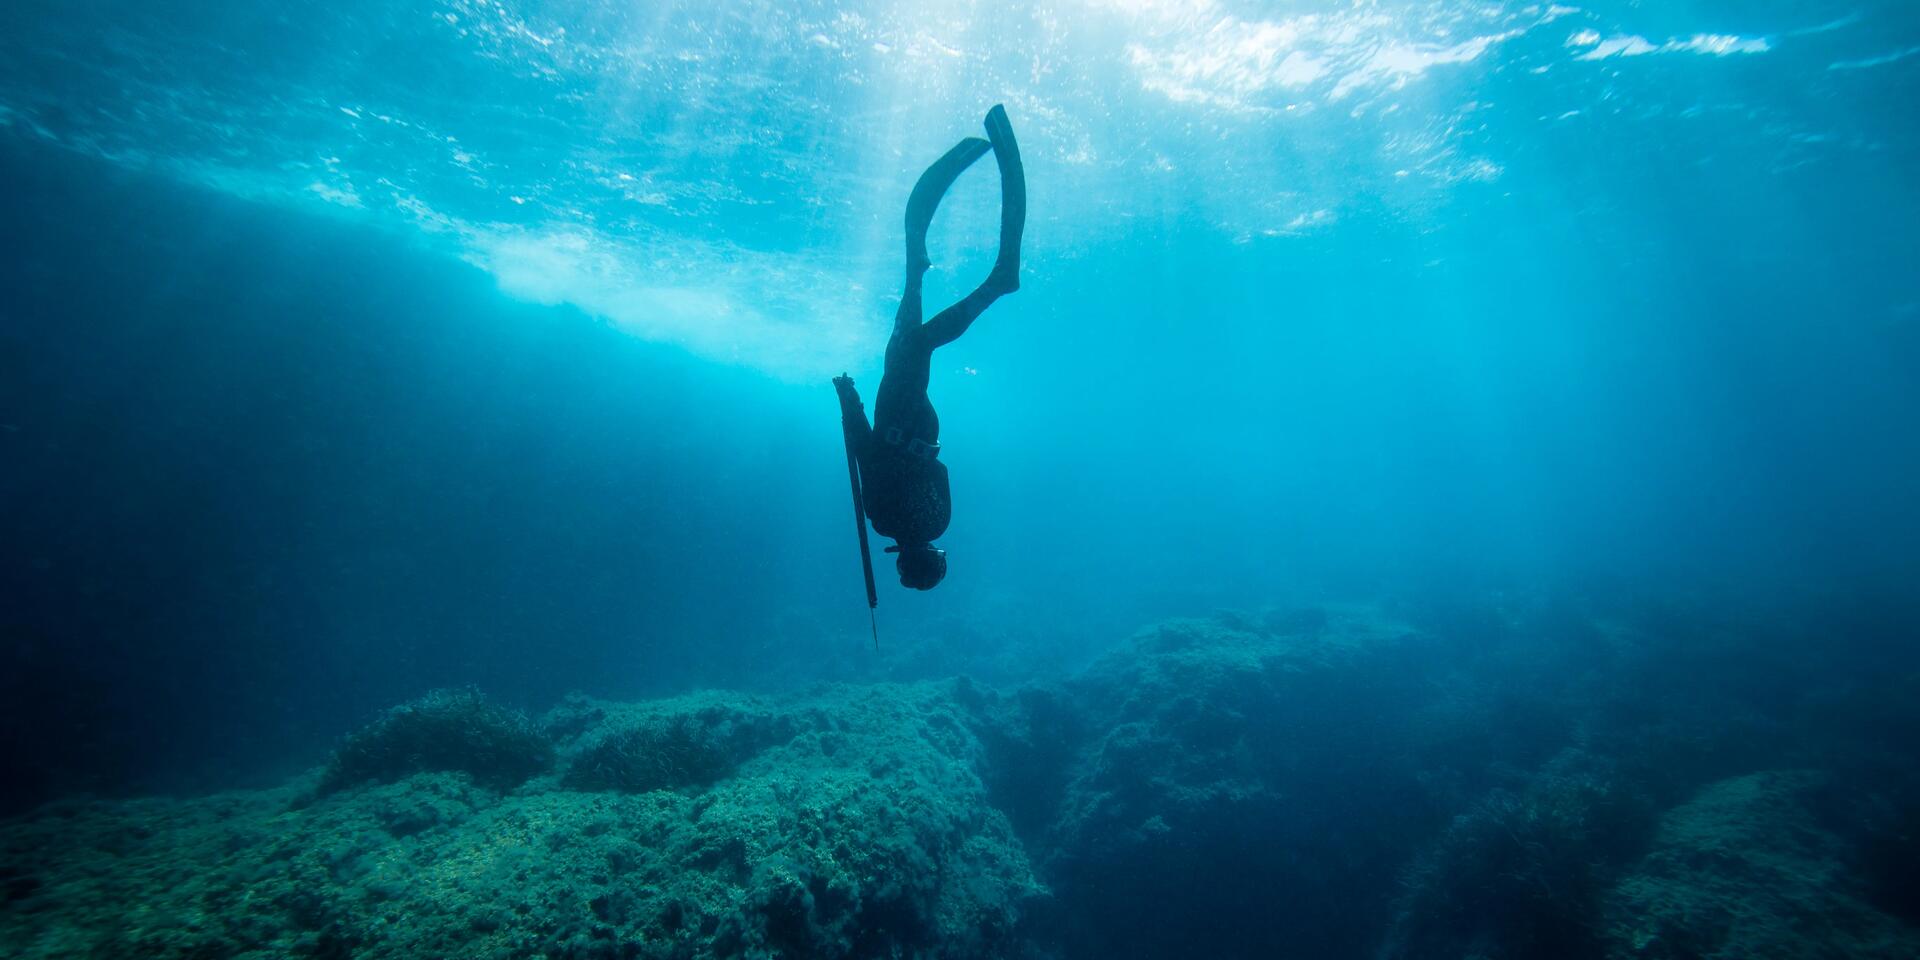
904, 482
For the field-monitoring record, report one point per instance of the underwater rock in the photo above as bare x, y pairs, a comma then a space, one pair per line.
1330, 782
689, 741
444, 730
1522, 873
1745, 870
862, 829
1234, 764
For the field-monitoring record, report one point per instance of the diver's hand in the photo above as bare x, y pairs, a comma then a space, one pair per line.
843, 383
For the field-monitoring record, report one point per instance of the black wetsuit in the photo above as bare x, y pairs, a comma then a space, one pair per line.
904, 482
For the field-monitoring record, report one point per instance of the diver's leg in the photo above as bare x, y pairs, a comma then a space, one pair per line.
926, 198
906, 320
949, 324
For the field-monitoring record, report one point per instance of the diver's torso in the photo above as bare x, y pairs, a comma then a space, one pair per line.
906, 495
906, 485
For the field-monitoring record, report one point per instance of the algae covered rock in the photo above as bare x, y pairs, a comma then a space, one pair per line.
1746, 870
844, 823
1265, 754
1521, 874
1319, 783
444, 730
686, 742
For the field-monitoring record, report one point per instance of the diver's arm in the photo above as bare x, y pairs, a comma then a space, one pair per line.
853, 414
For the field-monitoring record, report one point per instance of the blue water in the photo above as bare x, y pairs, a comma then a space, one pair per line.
356, 349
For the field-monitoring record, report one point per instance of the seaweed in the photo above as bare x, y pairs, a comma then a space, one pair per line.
674, 750
446, 730
1522, 873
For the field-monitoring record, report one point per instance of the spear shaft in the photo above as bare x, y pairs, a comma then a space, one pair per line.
860, 526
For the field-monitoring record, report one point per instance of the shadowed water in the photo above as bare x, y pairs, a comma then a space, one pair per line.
1443, 488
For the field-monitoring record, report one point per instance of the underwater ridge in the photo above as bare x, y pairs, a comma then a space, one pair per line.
1305, 782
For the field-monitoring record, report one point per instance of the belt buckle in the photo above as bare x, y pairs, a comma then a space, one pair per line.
922, 449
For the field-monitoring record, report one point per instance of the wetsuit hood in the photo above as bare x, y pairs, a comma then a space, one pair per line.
922, 565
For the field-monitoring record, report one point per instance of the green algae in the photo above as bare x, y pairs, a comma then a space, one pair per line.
452, 730
845, 838
1364, 774
1746, 870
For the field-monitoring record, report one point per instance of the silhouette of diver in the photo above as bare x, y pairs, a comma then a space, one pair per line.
905, 484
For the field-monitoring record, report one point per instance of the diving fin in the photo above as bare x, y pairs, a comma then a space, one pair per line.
1013, 200
927, 193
